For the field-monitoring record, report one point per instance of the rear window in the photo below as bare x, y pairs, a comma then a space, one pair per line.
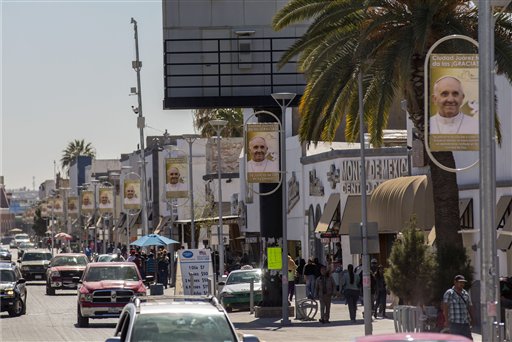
182, 327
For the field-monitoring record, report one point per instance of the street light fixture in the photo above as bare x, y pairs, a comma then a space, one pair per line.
218, 125
190, 138
284, 100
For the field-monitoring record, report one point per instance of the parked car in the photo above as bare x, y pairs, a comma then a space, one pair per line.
22, 247
62, 269
34, 264
6, 240
177, 319
413, 337
5, 254
105, 288
13, 292
235, 293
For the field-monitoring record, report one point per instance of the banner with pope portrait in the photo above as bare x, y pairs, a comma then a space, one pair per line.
453, 123
176, 171
262, 152
131, 199
87, 202
73, 205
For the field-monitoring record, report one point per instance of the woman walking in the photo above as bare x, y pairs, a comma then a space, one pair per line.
350, 288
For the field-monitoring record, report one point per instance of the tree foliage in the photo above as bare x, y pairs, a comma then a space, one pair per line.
75, 149
233, 116
39, 226
412, 267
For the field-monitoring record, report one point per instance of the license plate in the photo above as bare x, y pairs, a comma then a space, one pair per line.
113, 310
38, 276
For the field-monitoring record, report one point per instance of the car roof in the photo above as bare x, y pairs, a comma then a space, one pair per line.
7, 265
69, 254
37, 251
111, 264
184, 304
258, 270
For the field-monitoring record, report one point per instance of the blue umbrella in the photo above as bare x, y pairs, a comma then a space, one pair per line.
153, 240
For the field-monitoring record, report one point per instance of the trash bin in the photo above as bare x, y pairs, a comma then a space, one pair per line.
156, 289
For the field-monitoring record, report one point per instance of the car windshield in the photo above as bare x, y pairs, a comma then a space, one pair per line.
37, 256
182, 327
7, 276
27, 245
112, 273
69, 261
243, 277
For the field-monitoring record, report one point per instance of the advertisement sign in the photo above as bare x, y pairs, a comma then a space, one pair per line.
194, 272
262, 152
87, 202
73, 205
176, 170
58, 205
453, 123
106, 196
275, 261
131, 198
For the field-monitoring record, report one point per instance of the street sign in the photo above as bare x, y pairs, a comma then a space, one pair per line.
356, 238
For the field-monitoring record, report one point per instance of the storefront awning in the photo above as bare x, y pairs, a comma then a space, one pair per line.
393, 203
351, 213
328, 214
463, 205
214, 220
501, 208
504, 241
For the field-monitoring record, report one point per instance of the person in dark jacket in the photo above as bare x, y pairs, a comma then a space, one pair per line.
309, 278
381, 292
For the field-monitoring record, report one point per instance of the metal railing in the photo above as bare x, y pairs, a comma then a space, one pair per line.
229, 67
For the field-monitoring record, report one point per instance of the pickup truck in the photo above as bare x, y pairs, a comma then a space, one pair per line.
105, 288
63, 268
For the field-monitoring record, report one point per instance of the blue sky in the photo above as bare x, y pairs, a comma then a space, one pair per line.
66, 74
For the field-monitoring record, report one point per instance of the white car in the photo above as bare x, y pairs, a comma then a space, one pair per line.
235, 293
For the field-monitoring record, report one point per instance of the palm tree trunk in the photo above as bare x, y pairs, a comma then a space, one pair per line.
446, 201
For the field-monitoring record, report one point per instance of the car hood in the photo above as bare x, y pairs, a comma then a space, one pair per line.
7, 285
109, 284
243, 287
35, 263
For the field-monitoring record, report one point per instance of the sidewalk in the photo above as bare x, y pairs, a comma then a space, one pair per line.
340, 328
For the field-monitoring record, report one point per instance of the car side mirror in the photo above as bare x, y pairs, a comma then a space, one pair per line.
250, 338
222, 283
22, 281
19, 260
76, 280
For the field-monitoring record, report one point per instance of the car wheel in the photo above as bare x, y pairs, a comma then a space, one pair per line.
24, 310
81, 321
49, 290
17, 308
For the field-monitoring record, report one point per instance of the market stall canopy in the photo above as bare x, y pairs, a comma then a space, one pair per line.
153, 240
15, 231
63, 236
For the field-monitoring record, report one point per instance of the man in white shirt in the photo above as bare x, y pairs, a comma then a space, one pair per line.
448, 96
260, 161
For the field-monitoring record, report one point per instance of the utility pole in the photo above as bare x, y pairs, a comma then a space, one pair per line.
137, 65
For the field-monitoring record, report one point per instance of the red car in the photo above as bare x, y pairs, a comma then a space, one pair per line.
413, 337
105, 288
62, 269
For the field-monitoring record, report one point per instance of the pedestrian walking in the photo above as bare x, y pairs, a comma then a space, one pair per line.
292, 271
350, 286
324, 289
309, 275
381, 292
151, 265
458, 308
163, 268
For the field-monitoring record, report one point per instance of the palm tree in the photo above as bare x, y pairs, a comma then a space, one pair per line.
234, 117
389, 39
75, 149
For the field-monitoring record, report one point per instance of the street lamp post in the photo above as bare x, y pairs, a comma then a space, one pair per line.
95, 182
137, 65
364, 224
124, 169
284, 100
218, 125
190, 138
115, 178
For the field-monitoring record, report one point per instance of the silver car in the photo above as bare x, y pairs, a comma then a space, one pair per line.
177, 319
